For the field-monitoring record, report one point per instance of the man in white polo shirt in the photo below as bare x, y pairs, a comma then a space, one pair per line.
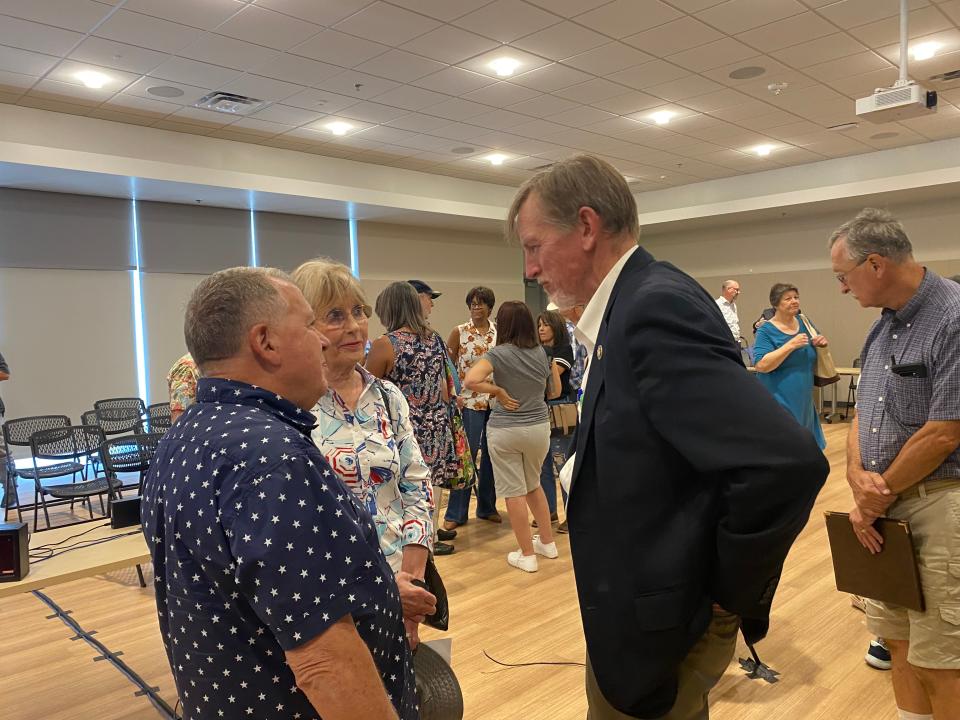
727, 302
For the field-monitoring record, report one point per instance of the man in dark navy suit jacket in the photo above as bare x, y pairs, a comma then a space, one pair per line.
690, 482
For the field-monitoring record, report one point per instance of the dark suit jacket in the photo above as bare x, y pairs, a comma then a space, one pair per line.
690, 485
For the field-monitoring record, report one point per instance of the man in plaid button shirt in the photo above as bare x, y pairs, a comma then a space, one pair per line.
903, 459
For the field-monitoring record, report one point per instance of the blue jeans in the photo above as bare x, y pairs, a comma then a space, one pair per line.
558, 453
474, 423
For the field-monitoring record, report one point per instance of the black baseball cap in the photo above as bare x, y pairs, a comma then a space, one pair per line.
422, 287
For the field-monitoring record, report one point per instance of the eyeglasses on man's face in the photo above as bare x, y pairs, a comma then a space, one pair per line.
336, 318
842, 276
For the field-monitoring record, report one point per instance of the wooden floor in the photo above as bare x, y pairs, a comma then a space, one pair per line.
817, 640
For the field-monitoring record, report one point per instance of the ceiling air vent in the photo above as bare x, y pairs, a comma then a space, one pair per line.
229, 103
946, 80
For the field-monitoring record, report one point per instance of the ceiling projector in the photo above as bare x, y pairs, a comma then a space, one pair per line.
897, 103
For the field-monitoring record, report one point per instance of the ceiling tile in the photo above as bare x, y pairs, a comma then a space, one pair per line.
410, 98
356, 84
110, 53
227, 52
607, 59
863, 85
845, 67
148, 32
25, 62
456, 109
851, 13
262, 88
887, 31
568, 8
768, 120
320, 127
648, 74
499, 119
581, 116
687, 87
550, 78
372, 112
449, 44
416, 122
400, 66
454, 81
444, 10
627, 103
386, 24
790, 31
266, 27
952, 10
692, 6
320, 101
712, 55
205, 15
37, 38
676, 36
80, 15
561, 41
591, 91
626, 17
287, 115
66, 72
138, 105
501, 94
193, 72
337, 48
506, 20
321, 12
296, 69
263, 126
458, 131
820, 50
736, 16
716, 100
70, 92
543, 106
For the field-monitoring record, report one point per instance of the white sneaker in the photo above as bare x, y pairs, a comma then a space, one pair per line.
527, 563
547, 550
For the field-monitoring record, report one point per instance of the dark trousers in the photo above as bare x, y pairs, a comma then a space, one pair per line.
475, 424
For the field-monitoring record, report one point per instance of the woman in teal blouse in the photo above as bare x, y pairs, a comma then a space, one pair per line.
785, 358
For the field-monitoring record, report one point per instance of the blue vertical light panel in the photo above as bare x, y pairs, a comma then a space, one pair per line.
254, 251
139, 330
354, 246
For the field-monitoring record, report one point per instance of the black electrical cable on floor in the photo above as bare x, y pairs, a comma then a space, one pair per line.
158, 702
40, 554
531, 664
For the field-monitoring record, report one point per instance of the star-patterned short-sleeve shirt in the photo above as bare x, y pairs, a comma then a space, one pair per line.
258, 547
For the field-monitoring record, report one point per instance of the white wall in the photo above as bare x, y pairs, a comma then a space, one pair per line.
794, 249
68, 338
164, 300
451, 263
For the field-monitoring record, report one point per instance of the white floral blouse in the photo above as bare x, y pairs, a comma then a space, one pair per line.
380, 462
473, 346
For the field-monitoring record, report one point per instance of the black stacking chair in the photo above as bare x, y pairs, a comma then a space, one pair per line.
62, 452
16, 433
129, 454
851, 392
117, 416
157, 420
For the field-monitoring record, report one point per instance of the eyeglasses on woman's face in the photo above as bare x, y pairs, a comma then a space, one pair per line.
336, 318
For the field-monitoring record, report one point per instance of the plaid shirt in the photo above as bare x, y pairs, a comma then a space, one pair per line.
892, 408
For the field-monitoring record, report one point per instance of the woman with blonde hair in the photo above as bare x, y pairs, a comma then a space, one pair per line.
364, 427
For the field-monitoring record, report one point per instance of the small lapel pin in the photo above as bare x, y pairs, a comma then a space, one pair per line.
599, 352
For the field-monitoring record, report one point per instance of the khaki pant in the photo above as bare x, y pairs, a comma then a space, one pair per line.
700, 670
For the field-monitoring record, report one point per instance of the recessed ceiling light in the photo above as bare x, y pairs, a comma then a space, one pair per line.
339, 128
167, 91
925, 50
763, 150
745, 73
496, 158
505, 66
92, 78
663, 117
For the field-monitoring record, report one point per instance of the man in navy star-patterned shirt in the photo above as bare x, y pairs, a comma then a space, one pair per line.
273, 596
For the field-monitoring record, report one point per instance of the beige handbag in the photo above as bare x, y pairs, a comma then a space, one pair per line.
563, 417
825, 373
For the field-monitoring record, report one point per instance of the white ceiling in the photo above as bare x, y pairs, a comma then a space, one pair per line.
412, 77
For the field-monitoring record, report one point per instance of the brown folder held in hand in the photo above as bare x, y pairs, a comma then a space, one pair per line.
891, 576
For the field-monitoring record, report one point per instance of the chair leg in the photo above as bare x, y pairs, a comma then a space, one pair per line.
46, 514
90, 507
143, 583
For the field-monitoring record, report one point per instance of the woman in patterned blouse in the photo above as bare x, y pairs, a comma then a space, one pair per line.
467, 344
364, 427
182, 386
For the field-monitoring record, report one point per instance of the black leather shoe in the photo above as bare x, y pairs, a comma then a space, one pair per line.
442, 548
446, 534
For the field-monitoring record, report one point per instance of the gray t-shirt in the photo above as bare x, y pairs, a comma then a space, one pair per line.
523, 373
